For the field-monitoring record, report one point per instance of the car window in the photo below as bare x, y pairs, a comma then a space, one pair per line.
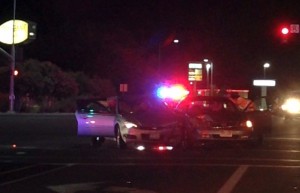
207, 106
141, 105
94, 107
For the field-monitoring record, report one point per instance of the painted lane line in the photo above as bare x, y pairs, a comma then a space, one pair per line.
35, 175
17, 170
234, 179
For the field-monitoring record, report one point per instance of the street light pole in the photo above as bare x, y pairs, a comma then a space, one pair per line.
264, 89
266, 65
207, 75
13, 63
209, 65
211, 80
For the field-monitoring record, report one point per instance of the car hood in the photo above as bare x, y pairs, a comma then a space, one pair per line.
153, 119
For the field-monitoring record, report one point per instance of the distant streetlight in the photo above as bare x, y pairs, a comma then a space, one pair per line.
209, 66
266, 65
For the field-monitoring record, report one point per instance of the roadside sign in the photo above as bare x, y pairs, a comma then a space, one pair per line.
123, 87
294, 28
264, 82
195, 72
17, 31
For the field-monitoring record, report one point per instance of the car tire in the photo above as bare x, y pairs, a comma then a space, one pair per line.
120, 142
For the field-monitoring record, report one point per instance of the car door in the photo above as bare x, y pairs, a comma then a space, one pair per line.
95, 119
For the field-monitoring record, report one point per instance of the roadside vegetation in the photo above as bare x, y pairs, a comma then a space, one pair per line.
42, 86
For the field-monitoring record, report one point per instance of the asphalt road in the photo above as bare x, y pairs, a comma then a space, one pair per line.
41, 153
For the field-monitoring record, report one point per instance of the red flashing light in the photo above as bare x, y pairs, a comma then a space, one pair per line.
285, 30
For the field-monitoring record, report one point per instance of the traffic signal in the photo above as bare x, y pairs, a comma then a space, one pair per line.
16, 72
285, 31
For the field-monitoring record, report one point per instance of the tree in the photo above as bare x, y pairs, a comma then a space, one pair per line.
44, 83
93, 87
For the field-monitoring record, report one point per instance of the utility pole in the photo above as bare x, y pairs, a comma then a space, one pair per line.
13, 64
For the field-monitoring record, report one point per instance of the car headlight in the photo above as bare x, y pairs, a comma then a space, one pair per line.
291, 105
247, 124
129, 125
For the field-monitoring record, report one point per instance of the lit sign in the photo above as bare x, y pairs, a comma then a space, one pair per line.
294, 28
195, 72
264, 82
195, 65
17, 31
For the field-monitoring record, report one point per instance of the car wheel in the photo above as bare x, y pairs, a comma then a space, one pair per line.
97, 141
120, 142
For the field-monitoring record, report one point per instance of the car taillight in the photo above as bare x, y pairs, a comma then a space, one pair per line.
156, 148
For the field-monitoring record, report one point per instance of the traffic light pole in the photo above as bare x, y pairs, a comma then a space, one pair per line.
12, 82
13, 63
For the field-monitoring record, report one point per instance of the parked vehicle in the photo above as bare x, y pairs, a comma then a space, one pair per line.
216, 118
141, 122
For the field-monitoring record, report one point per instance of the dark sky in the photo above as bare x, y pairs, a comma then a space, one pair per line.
238, 36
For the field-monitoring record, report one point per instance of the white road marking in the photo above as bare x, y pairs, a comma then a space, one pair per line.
127, 190
35, 175
73, 188
234, 179
16, 170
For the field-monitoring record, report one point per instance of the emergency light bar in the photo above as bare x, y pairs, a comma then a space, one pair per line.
175, 92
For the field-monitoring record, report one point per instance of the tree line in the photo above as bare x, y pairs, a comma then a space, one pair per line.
42, 86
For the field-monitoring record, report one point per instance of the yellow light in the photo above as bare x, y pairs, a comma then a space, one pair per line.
292, 105
178, 92
20, 29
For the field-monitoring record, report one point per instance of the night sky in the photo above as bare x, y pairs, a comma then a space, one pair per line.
239, 36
